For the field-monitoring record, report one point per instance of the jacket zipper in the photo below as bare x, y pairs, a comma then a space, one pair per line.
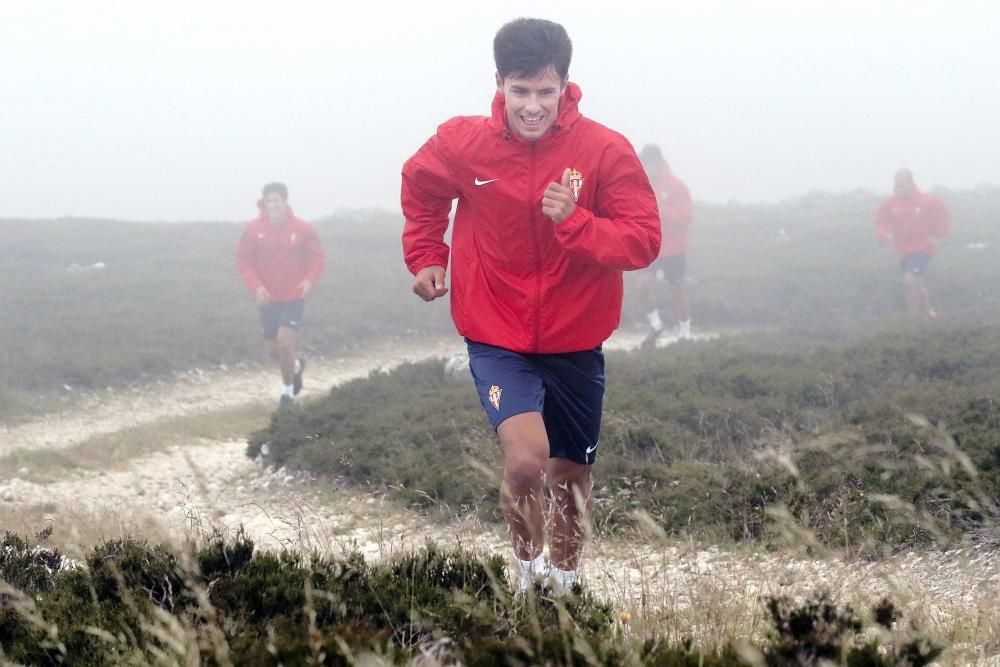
536, 247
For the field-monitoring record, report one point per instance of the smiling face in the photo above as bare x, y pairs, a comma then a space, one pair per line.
275, 206
532, 103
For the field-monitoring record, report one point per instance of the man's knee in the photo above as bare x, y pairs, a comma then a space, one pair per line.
911, 279
523, 473
286, 339
525, 447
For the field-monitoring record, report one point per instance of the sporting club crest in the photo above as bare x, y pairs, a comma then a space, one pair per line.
495, 392
575, 183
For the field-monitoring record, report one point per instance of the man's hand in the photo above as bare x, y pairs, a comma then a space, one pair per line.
558, 202
429, 283
305, 287
262, 295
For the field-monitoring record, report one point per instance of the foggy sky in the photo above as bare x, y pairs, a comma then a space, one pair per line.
149, 110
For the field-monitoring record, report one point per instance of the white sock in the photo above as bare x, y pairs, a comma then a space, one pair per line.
529, 570
562, 580
298, 366
685, 328
288, 390
654, 320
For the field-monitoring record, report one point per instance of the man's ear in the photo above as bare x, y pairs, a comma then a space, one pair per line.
499, 82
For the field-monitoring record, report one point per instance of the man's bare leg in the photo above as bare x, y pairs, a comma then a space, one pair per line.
682, 309
646, 290
645, 284
285, 351
571, 485
525, 446
926, 297
915, 295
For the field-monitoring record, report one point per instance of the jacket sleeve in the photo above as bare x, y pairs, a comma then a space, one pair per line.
627, 234
680, 208
427, 193
245, 261
883, 220
315, 257
941, 221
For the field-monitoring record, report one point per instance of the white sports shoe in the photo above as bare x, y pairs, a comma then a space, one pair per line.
531, 571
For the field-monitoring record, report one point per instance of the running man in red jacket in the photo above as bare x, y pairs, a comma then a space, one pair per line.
552, 207
280, 259
676, 214
914, 222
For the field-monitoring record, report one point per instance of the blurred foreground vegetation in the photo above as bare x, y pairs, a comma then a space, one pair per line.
224, 603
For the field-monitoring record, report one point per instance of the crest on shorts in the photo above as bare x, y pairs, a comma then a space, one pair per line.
575, 183
495, 392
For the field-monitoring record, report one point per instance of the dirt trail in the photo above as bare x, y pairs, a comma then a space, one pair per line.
202, 392
212, 484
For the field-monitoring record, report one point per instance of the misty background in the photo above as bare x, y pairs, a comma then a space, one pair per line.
146, 110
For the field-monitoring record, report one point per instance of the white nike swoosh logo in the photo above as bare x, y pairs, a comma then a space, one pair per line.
590, 450
479, 182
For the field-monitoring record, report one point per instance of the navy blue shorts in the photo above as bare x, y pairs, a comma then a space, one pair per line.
279, 314
567, 389
673, 267
916, 263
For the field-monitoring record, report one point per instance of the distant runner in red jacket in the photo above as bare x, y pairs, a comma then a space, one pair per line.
280, 259
676, 215
552, 207
914, 222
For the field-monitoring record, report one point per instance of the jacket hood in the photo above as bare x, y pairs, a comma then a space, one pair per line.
569, 110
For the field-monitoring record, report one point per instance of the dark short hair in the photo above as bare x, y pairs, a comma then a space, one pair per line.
279, 189
528, 47
650, 155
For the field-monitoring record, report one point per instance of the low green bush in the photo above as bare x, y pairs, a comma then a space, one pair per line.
711, 439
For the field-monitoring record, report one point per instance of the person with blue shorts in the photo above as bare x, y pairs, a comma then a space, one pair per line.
914, 222
552, 208
280, 259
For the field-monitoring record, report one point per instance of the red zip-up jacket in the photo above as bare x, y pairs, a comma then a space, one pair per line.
676, 211
518, 280
912, 222
279, 257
